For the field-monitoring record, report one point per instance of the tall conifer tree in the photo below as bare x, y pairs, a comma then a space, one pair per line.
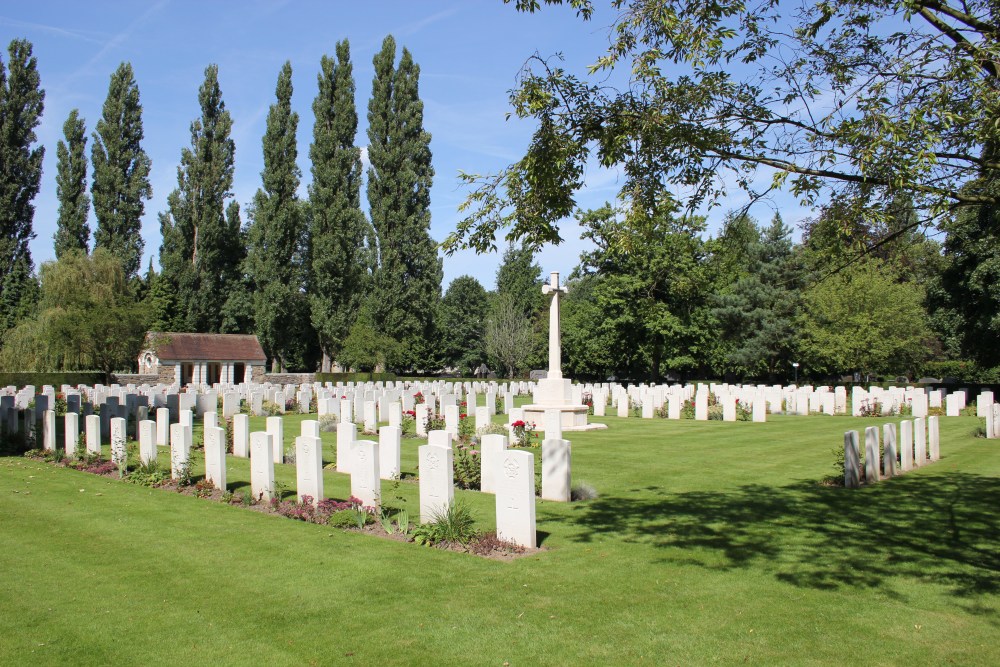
407, 280
201, 252
21, 103
339, 263
121, 172
277, 237
72, 232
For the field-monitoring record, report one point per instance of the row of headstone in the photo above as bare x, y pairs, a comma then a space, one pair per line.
917, 444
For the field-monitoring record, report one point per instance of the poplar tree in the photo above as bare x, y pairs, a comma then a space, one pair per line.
277, 235
339, 261
121, 172
21, 103
407, 279
72, 232
201, 251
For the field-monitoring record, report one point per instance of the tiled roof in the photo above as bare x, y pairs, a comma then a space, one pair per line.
205, 347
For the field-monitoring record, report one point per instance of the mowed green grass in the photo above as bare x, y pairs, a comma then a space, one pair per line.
711, 543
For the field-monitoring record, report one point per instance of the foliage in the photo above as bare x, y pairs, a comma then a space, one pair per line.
148, 474
583, 491
653, 298
863, 319
339, 261
121, 172
202, 247
452, 525
463, 317
21, 104
757, 311
276, 259
406, 285
965, 297
87, 318
468, 467
72, 232
866, 100
509, 335
524, 434
365, 349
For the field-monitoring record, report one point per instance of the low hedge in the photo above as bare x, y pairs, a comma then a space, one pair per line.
54, 378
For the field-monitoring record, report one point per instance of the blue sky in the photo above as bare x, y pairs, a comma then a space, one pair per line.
469, 53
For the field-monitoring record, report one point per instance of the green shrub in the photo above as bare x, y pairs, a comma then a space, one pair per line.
455, 525
468, 467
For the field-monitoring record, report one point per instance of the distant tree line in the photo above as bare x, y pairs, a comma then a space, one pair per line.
320, 282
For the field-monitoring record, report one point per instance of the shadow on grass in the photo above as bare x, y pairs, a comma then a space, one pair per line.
943, 529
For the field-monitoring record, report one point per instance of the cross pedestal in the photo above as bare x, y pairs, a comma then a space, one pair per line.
554, 392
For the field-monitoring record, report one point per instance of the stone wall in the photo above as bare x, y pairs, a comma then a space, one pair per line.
135, 378
285, 378
167, 374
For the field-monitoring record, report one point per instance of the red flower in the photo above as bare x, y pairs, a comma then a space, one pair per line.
518, 424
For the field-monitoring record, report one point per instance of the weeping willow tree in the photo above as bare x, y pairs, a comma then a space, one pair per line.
87, 318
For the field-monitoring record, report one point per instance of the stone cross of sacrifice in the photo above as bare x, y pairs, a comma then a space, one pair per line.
555, 356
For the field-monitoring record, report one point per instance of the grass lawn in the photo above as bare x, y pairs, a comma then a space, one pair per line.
710, 543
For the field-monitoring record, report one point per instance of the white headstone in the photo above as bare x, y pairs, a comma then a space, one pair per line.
515, 498
215, 455
180, 450
309, 468
872, 459
162, 426
147, 441
71, 433
118, 437
933, 438
49, 430
388, 452
919, 450
440, 438
553, 425
556, 470
920, 435
852, 460
371, 417
437, 480
346, 435
889, 450
492, 450
241, 435
420, 418
276, 427
365, 485
701, 406
310, 427
482, 418
92, 424
261, 465
906, 445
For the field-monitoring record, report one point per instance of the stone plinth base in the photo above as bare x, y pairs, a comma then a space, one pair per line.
574, 417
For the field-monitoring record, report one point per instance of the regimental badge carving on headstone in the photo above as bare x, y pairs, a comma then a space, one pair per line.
433, 461
511, 468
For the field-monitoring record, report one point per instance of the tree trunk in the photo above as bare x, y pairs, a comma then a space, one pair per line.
325, 366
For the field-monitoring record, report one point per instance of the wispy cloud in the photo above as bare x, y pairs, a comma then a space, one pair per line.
52, 29
123, 36
417, 26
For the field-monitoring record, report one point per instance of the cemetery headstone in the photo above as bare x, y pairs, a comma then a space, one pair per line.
309, 468
437, 480
515, 498
556, 470
852, 460
261, 465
